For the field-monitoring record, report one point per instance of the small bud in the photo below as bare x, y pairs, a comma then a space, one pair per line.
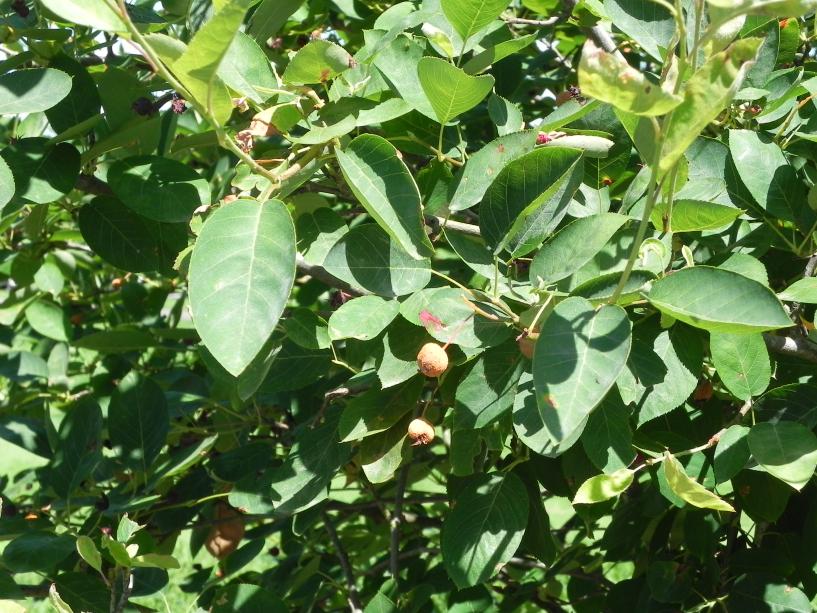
542, 138
178, 104
420, 431
143, 106
432, 360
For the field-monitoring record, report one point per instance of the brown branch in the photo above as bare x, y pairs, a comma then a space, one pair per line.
395, 522
539, 23
354, 600
91, 185
441, 223
799, 347
599, 35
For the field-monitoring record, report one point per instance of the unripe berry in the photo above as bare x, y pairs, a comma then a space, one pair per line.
432, 360
420, 431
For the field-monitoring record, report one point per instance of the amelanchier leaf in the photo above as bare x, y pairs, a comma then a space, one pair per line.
158, 188
484, 528
241, 272
32, 90
451, 90
742, 362
694, 216
578, 356
384, 186
603, 487
469, 17
97, 14
607, 77
366, 257
198, 66
138, 421
706, 94
802, 290
718, 300
42, 173
362, 318
690, 490
6, 184
573, 246
770, 179
786, 449
482, 167
317, 62
529, 198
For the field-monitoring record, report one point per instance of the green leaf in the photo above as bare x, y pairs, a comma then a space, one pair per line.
243, 597
78, 447
607, 77
718, 300
396, 359
56, 601
69, 115
40, 551
573, 246
381, 455
742, 362
707, 93
604, 487
482, 167
48, 319
649, 24
126, 528
398, 63
270, 15
138, 421
32, 90
450, 90
694, 216
198, 66
787, 450
760, 592
83, 591
487, 391
305, 474
246, 70
42, 174
317, 232
362, 318
155, 560
93, 13
529, 424
470, 17
528, 199
241, 272
578, 356
117, 550
7, 186
317, 62
305, 328
482, 61
384, 186
484, 528
770, 179
662, 370
120, 340
447, 315
802, 290
127, 240
607, 438
158, 188
690, 490
731, 453
366, 257
88, 552
378, 410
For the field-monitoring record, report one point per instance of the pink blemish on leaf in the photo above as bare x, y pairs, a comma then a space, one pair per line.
501, 148
551, 401
429, 320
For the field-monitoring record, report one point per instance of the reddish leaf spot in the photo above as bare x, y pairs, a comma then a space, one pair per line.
429, 320
550, 400
501, 148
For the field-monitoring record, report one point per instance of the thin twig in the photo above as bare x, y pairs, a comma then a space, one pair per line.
599, 35
354, 600
396, 521
539, 23
403, 555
